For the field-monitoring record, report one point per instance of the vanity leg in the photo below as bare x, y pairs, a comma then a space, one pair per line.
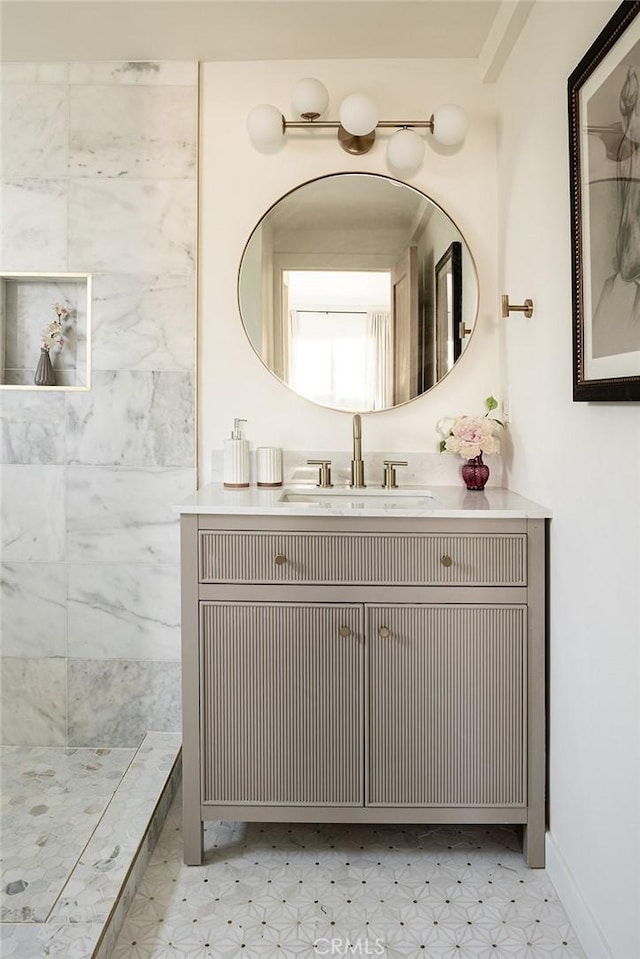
533, 843
192, 834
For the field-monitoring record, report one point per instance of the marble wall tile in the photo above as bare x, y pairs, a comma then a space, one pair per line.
117, 611
35, 130
33, 610
32, 427
33, 706
115, 514
132, 131
132, 226
34, 225
137, 72
133, 419
143, 230
32, 514
144, 322
116, 702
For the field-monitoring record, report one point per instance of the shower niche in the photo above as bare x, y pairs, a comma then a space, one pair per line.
45, 313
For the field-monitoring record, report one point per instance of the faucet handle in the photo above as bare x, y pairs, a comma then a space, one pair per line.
389, 481
324, 473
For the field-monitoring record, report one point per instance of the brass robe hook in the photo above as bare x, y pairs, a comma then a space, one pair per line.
526, 307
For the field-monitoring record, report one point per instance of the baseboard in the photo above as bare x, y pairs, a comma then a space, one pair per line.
584, 923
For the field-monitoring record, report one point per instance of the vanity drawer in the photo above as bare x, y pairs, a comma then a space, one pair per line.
442, 559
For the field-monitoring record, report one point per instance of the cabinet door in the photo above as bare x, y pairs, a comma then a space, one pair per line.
446, 705
281, 703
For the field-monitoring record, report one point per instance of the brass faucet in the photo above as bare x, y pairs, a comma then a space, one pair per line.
357, 463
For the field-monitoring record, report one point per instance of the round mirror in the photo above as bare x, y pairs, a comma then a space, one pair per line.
357, 291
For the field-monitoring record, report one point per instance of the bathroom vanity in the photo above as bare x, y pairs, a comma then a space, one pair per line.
363, 660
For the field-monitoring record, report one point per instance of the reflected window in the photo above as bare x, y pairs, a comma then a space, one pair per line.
328, 357
336, 322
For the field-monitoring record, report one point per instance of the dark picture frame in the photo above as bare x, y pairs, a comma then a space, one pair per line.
448, 284
604, 157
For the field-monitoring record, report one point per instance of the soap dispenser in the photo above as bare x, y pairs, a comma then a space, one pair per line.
236, 459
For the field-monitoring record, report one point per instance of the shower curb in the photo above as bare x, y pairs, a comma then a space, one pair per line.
139, 862
87, 917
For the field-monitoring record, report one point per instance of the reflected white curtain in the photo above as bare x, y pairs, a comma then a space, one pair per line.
378, 358
290, 358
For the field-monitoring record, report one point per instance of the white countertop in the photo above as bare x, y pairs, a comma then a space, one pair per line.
445, 502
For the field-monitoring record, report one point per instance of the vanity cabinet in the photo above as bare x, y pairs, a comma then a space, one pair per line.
282, 704
360, 669
446, 694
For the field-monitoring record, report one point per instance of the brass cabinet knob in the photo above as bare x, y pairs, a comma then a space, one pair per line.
345, 631
280, 559
446, 561
384, 631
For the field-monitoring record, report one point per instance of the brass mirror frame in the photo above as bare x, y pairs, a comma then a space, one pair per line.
466, 332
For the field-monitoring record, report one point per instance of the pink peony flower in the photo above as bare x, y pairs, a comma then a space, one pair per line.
469, 436
473, 435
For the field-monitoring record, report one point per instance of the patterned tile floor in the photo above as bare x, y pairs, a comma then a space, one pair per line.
52, 799
281, 891
77, 829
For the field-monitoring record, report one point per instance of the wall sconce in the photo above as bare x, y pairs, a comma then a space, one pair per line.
357, 125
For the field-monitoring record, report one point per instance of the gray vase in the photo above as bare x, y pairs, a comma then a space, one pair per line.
45, 375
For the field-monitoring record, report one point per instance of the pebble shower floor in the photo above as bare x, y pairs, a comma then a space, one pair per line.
280, 890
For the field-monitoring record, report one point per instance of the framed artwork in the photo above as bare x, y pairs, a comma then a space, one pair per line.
604, 145
448, 308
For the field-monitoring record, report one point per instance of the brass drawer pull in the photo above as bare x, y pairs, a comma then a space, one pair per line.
446, 561
384, 631
345, 631
280, 559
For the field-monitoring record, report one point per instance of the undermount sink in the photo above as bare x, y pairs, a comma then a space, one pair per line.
368, 498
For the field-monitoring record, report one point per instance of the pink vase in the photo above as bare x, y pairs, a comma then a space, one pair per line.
475, 473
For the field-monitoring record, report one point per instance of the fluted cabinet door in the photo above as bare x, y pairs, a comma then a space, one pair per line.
282, 703
446, 705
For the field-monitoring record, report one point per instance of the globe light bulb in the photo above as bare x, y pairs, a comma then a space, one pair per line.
358, 114
450, 125
405, 151
309, 98
264, 125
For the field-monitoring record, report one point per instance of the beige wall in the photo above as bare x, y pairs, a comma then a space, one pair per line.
581, 460
237, 186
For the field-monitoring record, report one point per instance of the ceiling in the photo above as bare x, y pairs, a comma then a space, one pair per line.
59, 30
350, 202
